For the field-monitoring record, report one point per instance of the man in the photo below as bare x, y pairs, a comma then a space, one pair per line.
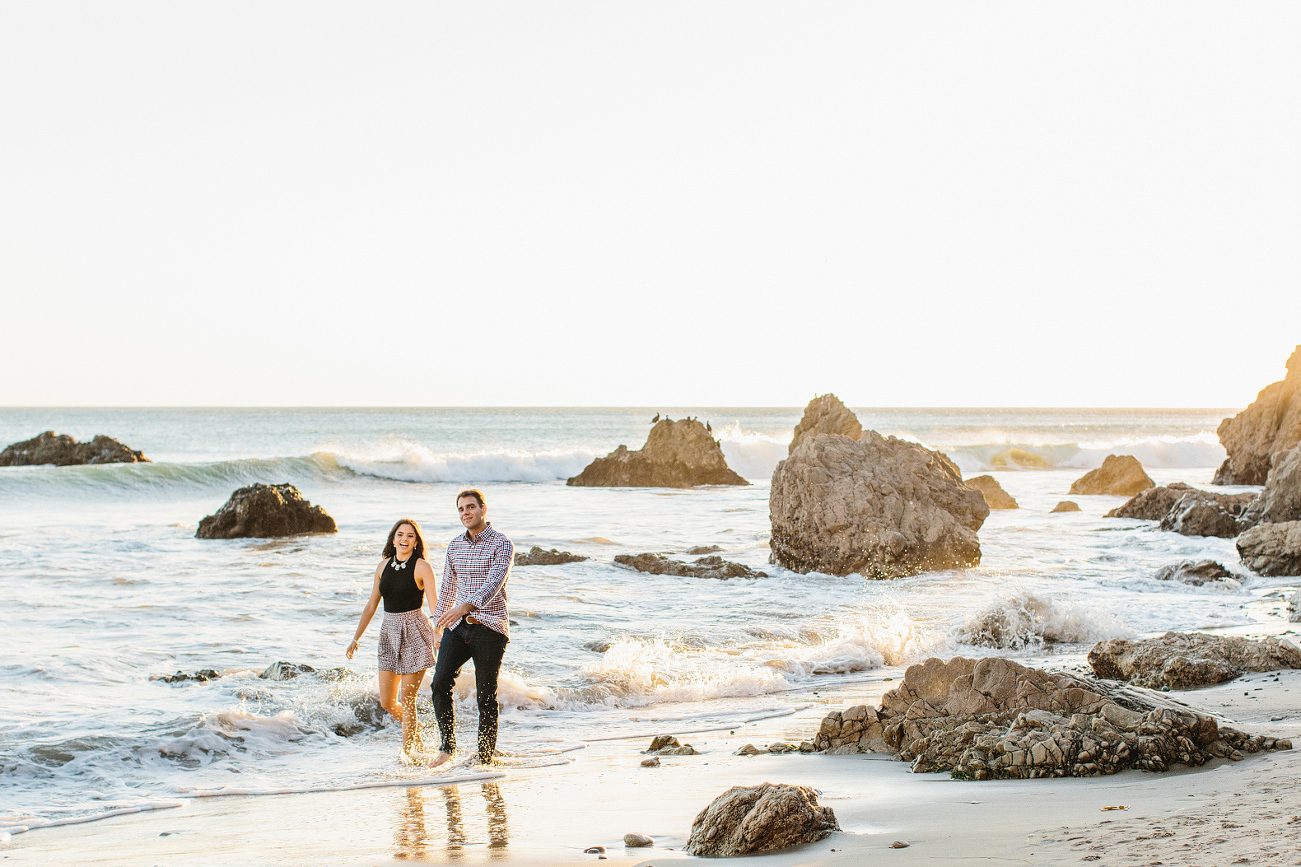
472, 614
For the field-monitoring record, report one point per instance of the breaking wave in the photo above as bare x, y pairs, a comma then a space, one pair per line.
1025, 620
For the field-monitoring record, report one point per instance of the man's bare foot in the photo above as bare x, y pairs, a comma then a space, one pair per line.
438, 758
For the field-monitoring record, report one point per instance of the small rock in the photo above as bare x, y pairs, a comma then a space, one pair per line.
650, 763
285, 671
749, 750
706, 567
1120, 475
659, 742
899, 844
637, 840
745, 820
704, 549
1066, 506
594, 850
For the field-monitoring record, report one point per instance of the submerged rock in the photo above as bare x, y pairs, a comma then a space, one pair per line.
203, 675
825, 414
285, 670
677, 454
537, 556
1065, 506
1272, 549
265, 511
879, 506
705, 567
749, 819
995, 496
1120, 475
1196, 573
64, 451
1270, 426
994, 719
1189, 660
1280, 501
704, 549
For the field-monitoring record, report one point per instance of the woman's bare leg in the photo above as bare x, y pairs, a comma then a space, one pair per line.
389, 685
412, 742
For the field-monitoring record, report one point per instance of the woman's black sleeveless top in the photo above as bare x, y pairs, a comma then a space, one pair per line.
398, 587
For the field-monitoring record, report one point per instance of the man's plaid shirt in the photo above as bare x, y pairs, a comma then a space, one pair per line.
475, 571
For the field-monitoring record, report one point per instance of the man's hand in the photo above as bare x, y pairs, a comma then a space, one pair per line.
453, 614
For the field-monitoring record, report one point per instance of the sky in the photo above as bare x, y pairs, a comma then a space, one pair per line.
648, 203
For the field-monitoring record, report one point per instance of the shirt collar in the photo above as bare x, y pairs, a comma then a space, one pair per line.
484, 534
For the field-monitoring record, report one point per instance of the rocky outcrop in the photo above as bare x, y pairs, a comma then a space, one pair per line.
746, 820
1272, 549
1281, 499
992, 718
705, 567
825, 414
1189, 660
1120, 475
1193, 515
1065, 506
879, 506
537, 556
1196, 573
64, 451
995, 496
677, 454
1270, 426
668, 745
265, 511
1183, 508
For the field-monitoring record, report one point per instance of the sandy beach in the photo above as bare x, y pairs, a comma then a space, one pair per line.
1223, 813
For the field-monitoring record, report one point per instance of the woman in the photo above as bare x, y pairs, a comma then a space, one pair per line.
405, 581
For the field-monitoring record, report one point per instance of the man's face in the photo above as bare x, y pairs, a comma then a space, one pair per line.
471, 513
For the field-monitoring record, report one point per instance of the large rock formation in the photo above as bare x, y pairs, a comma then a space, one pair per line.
992, 718
825, 414
1187, 510
1121, 475
706, 567
879, 506
1193, 515
749, 819
995, 496
1281, 499
265, 511
63, 451
1272, 549
1271, 425
677, 454
1189, 660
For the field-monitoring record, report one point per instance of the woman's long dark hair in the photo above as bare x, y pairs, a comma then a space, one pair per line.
391, 550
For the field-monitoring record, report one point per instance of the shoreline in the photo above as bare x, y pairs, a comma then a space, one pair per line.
549, 815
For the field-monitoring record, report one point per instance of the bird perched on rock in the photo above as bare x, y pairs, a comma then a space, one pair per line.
657, 418
709, 428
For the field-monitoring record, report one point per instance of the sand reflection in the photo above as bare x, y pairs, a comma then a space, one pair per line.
412, 839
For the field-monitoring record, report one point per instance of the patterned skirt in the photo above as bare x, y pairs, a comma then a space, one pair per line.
406, 642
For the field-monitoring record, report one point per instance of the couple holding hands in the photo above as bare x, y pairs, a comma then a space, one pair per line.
471, 622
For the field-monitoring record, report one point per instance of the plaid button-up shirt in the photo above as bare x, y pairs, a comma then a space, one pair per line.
475, 571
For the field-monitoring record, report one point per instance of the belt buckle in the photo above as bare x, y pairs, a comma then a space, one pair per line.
470, 619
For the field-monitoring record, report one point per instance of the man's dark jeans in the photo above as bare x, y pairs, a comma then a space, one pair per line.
486, 647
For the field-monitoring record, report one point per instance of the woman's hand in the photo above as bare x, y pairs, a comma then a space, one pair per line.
352, 648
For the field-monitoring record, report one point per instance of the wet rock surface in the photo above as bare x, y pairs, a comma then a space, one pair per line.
1121, 475
285, 670
1196, 573
1272, 549
995, 496
1168, 501
537, 556
64, 451
668, 745
677, 454
1269, 426
749, 819
1193, 515
1190, 660
825, 414
1280, 501
705, 567
203, 675
994, 719
265, 511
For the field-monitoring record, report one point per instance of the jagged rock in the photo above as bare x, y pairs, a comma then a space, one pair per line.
652, 762
1189, 660
1065, 506
1020, 458
1196, 573
203, 675
668, 745
1120, 475
265, 511
1156, 504
1271, 425
825, 414
1272, 549
995, 496
677, 454
63, 451
880, 506
368, 715
703, 549
705, 567
1280, 501
285, 671
537, 556
992, 718
748, 819
1193, 515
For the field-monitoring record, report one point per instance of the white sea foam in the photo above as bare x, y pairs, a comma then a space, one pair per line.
752, 455
1026, 620
411, 462
1198, 451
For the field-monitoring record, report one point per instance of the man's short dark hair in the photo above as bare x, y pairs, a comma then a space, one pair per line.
471, 492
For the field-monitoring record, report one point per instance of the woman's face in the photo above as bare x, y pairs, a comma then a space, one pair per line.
404, 539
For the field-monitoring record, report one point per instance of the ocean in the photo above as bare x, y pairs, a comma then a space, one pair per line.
104, 587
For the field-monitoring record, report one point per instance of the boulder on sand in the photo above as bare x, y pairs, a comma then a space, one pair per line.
265, 511
1271, 425
1281, 499
825, 414
994, 719
64, 451
749, 819
1272, 549
677, 454
879, 506
1120, 475
1189, 660
995, 496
